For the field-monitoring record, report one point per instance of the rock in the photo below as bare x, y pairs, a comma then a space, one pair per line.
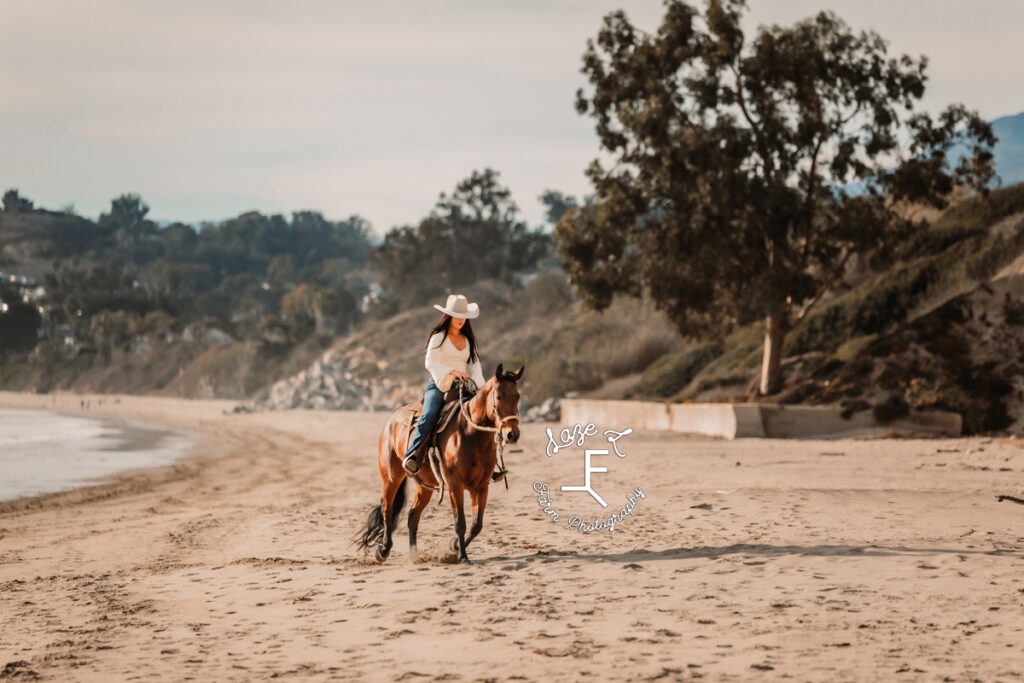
548, 411
330, 383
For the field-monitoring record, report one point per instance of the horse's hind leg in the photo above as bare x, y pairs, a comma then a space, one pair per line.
419, 503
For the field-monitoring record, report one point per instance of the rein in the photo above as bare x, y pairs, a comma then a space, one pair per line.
499, 440
434, 454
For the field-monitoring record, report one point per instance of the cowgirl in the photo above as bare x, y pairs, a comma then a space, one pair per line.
451, 355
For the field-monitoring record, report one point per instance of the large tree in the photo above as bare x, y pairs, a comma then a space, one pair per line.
471, 234
745, 173
15, 203
128, 223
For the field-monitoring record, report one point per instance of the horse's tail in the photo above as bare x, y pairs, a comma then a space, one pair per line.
373, 534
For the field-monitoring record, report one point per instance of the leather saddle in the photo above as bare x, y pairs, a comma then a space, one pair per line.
449, 408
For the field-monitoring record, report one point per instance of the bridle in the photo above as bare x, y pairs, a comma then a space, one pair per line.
499, 439
435, 462
502, 419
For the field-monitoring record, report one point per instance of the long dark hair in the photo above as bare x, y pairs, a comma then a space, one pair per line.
467, 331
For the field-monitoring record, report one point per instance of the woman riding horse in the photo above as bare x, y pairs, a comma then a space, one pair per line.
451, 354
470, 443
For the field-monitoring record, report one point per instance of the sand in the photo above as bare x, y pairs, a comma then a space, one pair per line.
745, 560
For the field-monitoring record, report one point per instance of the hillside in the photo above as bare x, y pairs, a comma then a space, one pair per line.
541, 325
965, 356
379, 362
872, 344
950, 272
122, 305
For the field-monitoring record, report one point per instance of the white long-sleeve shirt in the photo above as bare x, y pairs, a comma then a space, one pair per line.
441, 360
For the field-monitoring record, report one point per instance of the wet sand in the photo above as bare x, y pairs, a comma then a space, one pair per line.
745, 560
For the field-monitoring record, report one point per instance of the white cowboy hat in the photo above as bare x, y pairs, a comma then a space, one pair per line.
457, 307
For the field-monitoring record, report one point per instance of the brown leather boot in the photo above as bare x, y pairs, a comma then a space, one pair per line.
412, 465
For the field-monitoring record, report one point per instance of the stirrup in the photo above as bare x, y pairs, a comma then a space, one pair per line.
411, 465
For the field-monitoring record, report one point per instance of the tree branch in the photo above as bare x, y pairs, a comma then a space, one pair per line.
824, 288
808, 201
769, 166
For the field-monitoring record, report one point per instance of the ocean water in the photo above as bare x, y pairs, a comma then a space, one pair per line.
45, 452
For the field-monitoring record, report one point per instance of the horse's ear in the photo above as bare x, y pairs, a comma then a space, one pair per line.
519, 373
497, 372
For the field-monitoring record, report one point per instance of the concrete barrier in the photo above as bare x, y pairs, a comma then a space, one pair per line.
609, 414
739, 420
717, 419
801, 422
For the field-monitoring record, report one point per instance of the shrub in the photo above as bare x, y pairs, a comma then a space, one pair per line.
670, 374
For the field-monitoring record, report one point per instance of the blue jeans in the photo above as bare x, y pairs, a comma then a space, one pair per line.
433, 399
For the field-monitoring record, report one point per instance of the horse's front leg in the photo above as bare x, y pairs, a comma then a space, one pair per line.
459, 511
479, 500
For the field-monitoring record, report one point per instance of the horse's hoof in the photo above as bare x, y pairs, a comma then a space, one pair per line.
382, 554
464, 560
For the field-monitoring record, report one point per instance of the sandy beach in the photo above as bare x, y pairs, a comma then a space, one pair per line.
745, 560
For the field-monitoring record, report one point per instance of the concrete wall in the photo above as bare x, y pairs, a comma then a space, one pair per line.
718, 419
737, 420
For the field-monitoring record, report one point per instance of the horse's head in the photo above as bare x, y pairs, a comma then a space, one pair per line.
503, 407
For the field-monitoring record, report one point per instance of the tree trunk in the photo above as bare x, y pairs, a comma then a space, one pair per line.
777, 326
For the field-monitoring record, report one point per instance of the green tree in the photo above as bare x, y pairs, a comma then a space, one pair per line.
19, 323
556, 204
127, 221
473, 233
179, 241
281, 270
331, 310
110, 329
15, 203
726, 198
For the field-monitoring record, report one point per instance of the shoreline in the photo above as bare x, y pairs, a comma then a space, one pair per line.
143, 426
150, 446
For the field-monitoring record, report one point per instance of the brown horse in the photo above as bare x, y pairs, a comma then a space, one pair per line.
468, 458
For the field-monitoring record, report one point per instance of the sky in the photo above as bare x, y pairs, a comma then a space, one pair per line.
210, 108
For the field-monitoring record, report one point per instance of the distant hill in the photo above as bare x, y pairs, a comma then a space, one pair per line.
1009, 151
